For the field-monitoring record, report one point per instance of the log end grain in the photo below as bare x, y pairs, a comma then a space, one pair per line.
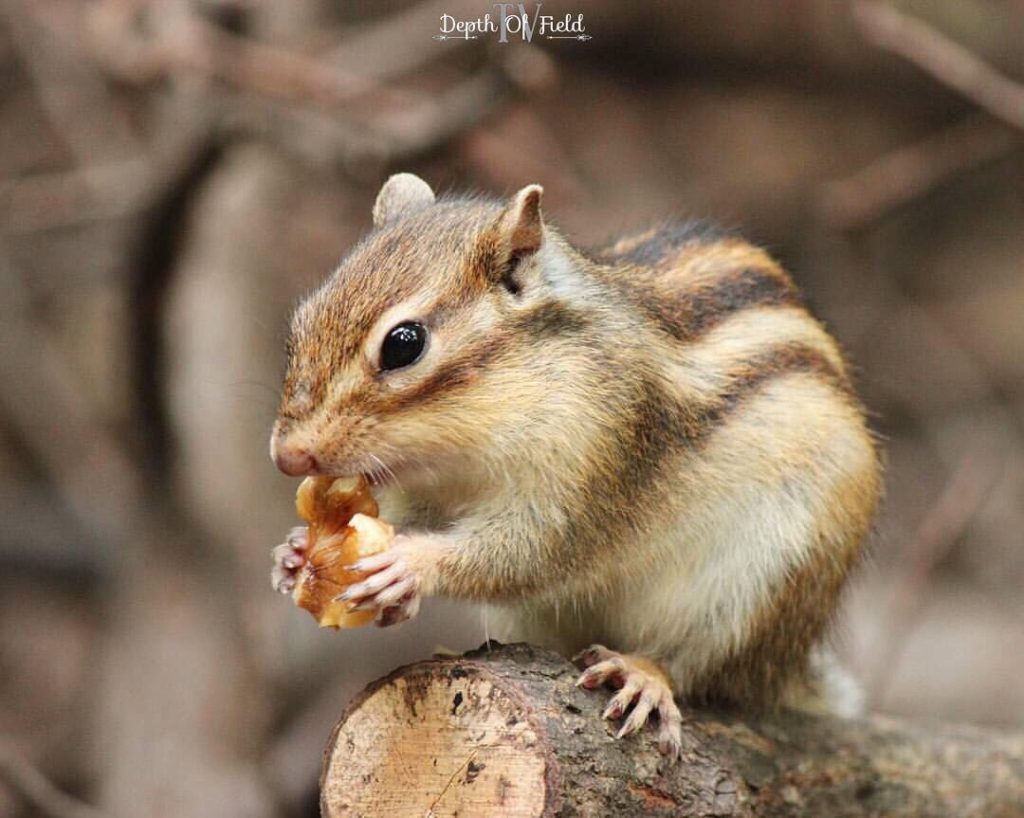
438, 738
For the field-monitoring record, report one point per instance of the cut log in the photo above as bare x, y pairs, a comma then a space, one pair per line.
505, 732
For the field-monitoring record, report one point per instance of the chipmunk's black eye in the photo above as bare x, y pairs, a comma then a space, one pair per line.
403, 345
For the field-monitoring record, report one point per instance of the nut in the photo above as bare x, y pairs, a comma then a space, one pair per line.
343, 527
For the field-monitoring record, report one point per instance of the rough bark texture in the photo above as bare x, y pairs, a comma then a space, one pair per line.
506, 732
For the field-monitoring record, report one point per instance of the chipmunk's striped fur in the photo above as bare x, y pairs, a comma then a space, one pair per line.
656, 447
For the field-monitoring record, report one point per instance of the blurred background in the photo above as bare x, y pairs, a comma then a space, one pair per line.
175, 174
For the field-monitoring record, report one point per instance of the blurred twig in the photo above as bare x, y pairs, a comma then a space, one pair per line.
942, 526
401, 42
98, 191
101, 191
524, 149
37, 790
181, 41
945, 60
46, 409
286, 764
113, 170
467, 102
365, 144
67, 84
908, 173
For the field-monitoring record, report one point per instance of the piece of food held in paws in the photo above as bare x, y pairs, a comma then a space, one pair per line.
343, 528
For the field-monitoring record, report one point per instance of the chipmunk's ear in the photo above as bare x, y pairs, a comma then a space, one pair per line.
400, 195
516, 236
521, 226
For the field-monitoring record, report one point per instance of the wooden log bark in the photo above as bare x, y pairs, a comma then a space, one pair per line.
505, 732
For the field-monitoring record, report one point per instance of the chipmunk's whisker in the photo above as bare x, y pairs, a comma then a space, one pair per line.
386, 470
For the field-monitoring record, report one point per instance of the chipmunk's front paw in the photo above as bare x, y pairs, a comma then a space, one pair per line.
392, 588
289, 557
642, 685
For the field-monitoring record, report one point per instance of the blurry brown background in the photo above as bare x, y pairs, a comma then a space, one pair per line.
175, 174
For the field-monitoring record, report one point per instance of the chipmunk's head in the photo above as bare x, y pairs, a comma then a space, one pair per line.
430, 342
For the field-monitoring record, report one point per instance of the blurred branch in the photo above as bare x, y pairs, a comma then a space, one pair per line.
388, 135
180, 41
910, 172
47, 410
67, 84
98, 191
945, 60
115, 172
286, 763
104, 190
37, 790
943, 524
400, 42
39, 536
467, 102
524, 148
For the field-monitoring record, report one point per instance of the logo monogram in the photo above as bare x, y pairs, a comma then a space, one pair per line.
511, 20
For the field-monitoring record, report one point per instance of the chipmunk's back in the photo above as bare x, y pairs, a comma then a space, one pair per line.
692, 276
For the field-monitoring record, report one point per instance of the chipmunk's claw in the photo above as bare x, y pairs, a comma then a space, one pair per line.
289, 557
641, 686
393, 591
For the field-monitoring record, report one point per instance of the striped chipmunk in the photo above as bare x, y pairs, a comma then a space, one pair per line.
650, 458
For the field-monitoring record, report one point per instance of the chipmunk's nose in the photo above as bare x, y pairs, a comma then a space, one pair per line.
294, 461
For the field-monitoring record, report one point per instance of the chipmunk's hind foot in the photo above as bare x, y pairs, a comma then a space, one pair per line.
643, 688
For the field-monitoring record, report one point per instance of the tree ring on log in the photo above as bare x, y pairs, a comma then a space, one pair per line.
439, 739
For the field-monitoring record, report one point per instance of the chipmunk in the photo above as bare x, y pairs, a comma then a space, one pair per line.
652, 455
